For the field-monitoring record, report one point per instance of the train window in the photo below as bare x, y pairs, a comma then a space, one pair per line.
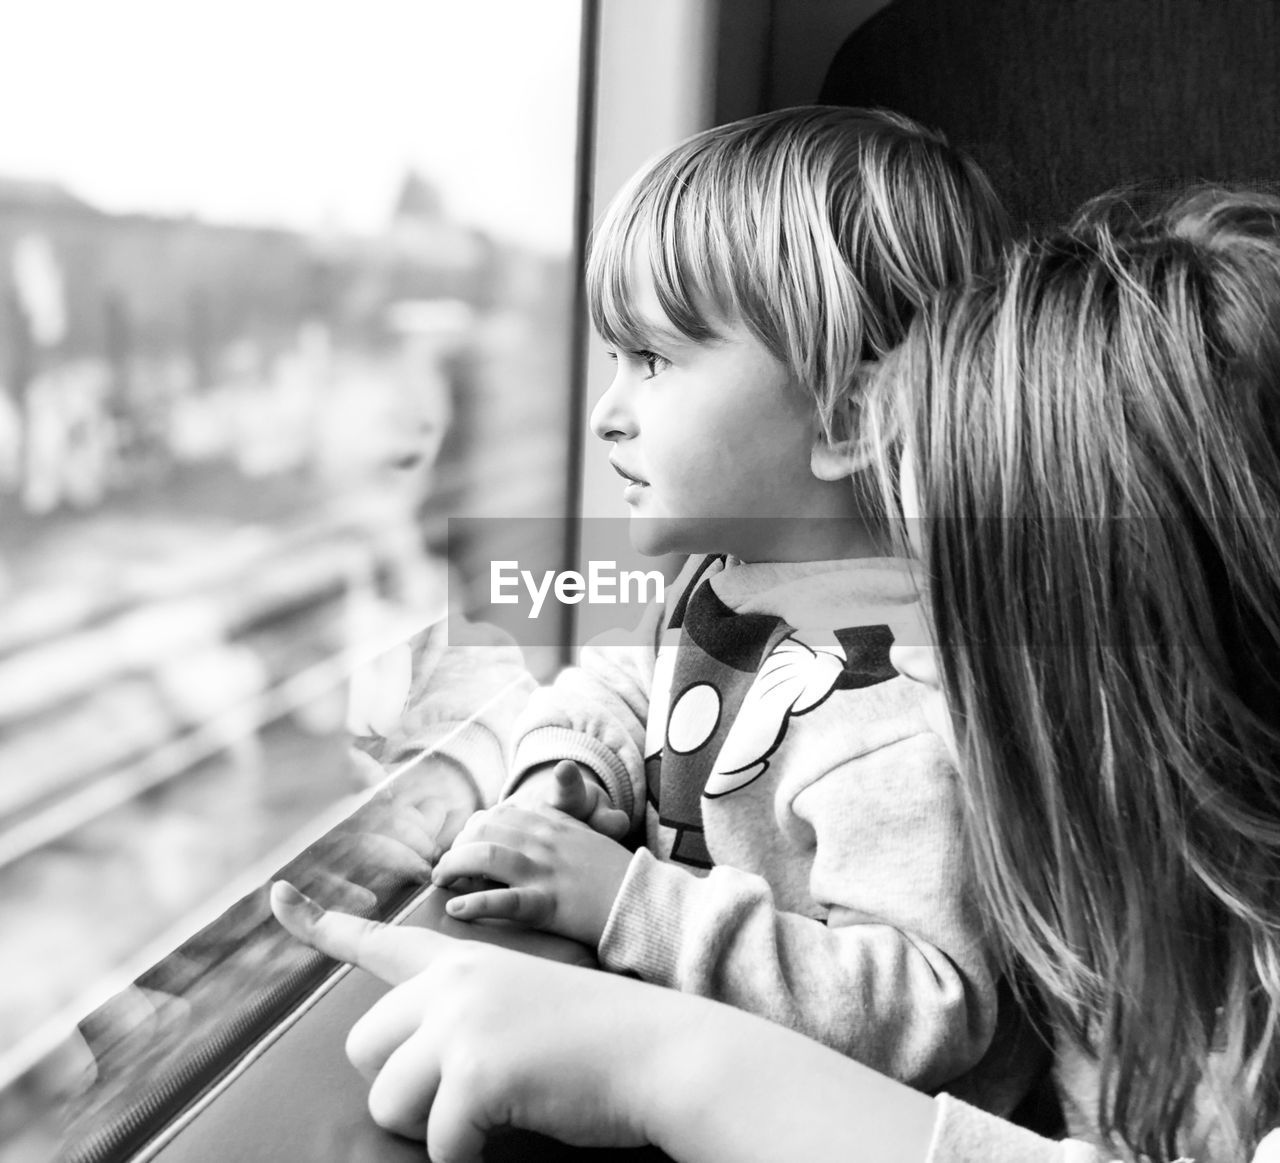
284, 289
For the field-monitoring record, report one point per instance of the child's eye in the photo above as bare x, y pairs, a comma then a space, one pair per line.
652, 360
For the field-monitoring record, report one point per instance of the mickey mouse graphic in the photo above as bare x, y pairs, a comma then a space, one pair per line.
726, 686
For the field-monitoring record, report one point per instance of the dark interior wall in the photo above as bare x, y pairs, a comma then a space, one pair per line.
1057, 99
742, 58
1060, 102
774, 53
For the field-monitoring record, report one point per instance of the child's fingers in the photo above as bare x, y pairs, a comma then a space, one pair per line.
454, 1131
473, 884
484, 859
527, 905
395, 1050
388, 1024
392, 953
570, 792
405, 1089
473, 828
414, 1096
611, 822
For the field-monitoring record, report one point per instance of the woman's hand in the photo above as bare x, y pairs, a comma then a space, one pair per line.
475, 1038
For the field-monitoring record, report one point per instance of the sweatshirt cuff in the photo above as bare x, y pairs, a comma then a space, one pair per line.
552, 744
645, 930
475, 749
964, 1134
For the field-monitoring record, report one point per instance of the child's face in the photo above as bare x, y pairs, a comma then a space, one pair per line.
914, 654
705, 435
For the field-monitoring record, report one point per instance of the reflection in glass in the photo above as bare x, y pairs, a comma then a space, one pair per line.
235, 416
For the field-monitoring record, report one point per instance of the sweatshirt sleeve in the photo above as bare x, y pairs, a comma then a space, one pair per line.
894, 974
596, 713
964, 1134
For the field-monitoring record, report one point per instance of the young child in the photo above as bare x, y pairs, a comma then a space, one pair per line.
802, 854
1114, 694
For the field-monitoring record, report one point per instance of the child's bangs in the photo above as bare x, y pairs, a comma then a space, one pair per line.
657, 231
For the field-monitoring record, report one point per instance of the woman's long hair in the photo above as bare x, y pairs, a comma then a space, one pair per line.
1096, 442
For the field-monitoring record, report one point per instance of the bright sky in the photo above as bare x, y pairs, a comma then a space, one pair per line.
298, 112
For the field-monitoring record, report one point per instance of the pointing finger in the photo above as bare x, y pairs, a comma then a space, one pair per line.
390, 952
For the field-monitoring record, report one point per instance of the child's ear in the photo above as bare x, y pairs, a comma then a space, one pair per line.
833, 460
838, 449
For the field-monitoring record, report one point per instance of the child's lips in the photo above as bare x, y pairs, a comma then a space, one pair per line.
630, 478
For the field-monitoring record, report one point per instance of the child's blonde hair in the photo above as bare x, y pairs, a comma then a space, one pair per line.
1096, 444
822, 229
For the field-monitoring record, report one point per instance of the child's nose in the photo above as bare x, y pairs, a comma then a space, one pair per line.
610, 418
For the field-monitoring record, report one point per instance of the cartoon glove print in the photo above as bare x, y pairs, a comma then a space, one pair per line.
796, 677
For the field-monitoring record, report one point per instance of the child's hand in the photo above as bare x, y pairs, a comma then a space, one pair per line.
568, 788
560, 875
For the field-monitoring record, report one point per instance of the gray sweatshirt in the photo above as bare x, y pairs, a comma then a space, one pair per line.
836, 899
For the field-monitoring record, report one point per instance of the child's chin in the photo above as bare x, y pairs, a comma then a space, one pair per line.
655, 536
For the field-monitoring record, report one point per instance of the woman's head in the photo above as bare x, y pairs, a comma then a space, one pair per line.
821, 229
1095, 444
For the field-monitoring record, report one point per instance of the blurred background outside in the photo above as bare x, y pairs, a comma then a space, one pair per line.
283, 286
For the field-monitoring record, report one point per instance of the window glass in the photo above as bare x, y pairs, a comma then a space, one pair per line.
283, 288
